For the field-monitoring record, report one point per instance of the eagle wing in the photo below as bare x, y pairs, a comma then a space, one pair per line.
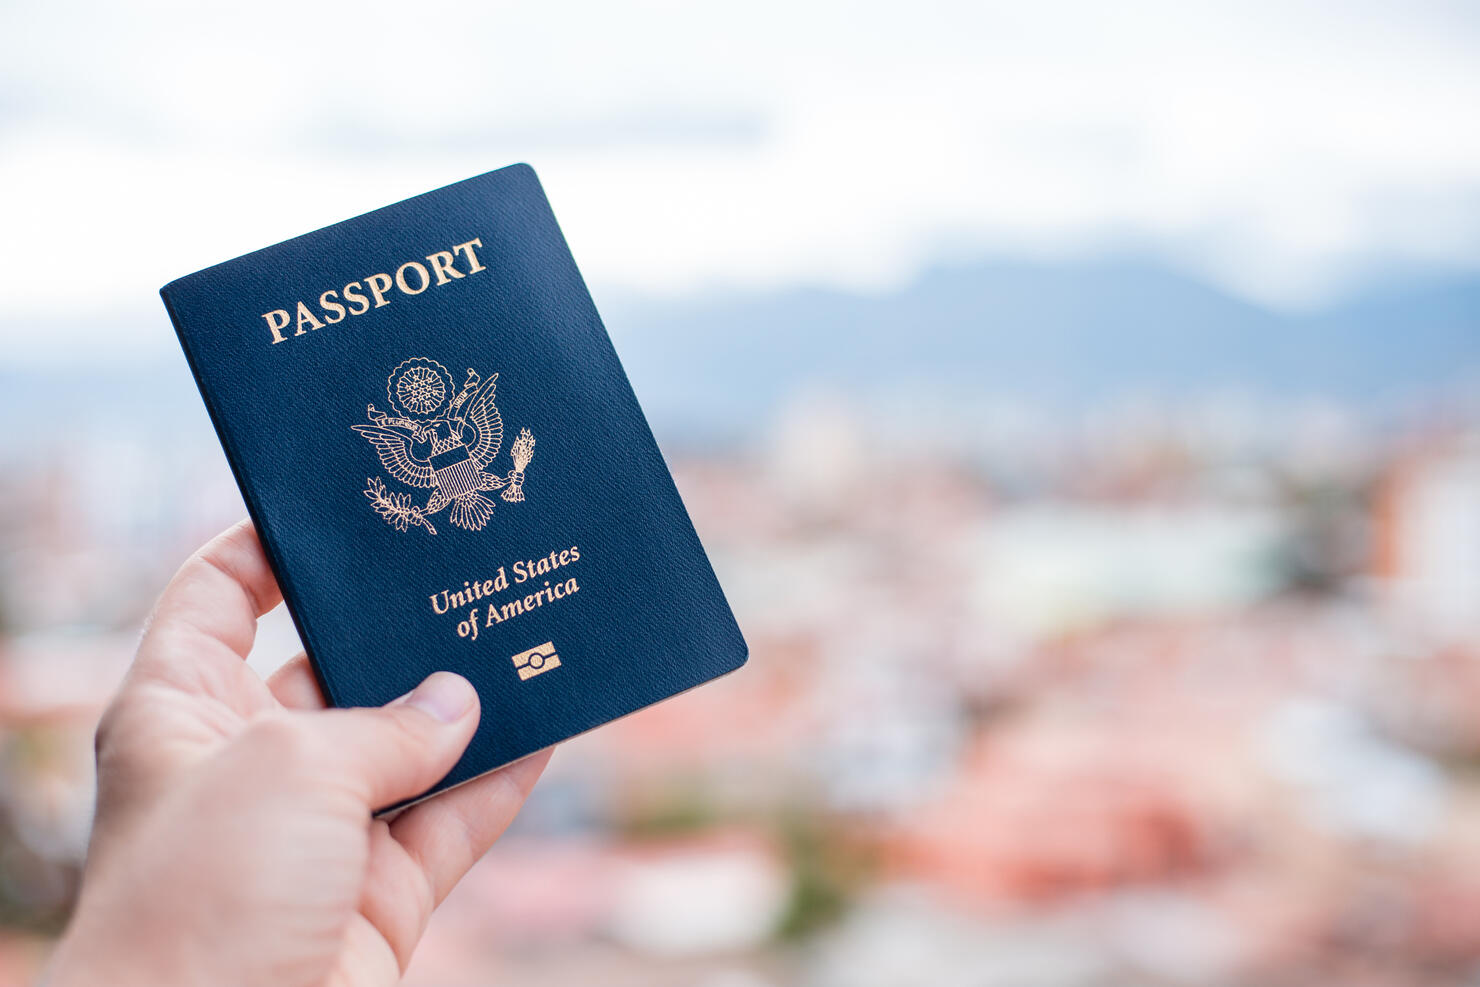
395, 456
483, 416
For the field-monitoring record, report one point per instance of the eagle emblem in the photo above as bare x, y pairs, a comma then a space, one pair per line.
440, 439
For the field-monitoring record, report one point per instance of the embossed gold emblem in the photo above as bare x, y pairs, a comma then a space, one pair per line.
442, 440
540, 658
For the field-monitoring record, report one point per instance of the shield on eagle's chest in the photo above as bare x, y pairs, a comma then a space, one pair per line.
455, 471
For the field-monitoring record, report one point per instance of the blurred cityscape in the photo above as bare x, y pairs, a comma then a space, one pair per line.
1080, 403
1144, 692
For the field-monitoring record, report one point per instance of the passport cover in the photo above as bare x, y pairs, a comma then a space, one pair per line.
448, 468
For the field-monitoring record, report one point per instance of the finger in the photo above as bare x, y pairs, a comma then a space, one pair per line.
294, 684
396, 900
367, 957
395, 752
214, 600
448, 834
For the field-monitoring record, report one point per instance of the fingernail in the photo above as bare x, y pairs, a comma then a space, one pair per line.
446, 696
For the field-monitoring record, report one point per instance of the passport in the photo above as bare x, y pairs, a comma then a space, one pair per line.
448, 468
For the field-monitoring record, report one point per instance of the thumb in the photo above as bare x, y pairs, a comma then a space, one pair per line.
399, 750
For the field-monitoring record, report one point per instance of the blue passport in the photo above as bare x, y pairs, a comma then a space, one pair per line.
448, 469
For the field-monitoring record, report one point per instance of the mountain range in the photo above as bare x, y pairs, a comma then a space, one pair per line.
1055, 334
1059, 334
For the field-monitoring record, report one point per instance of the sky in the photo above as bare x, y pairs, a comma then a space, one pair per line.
1284, 150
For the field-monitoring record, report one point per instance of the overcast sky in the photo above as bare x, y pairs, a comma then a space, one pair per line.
1279, 147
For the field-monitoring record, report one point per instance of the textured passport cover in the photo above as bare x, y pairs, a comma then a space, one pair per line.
448, 468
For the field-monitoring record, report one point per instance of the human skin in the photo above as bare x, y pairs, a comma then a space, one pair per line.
233, 841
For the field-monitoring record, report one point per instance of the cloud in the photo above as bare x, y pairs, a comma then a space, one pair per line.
1278, 147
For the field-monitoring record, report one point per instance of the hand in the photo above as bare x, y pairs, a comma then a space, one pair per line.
233, 842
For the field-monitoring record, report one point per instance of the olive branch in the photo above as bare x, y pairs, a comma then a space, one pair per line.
397, 509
